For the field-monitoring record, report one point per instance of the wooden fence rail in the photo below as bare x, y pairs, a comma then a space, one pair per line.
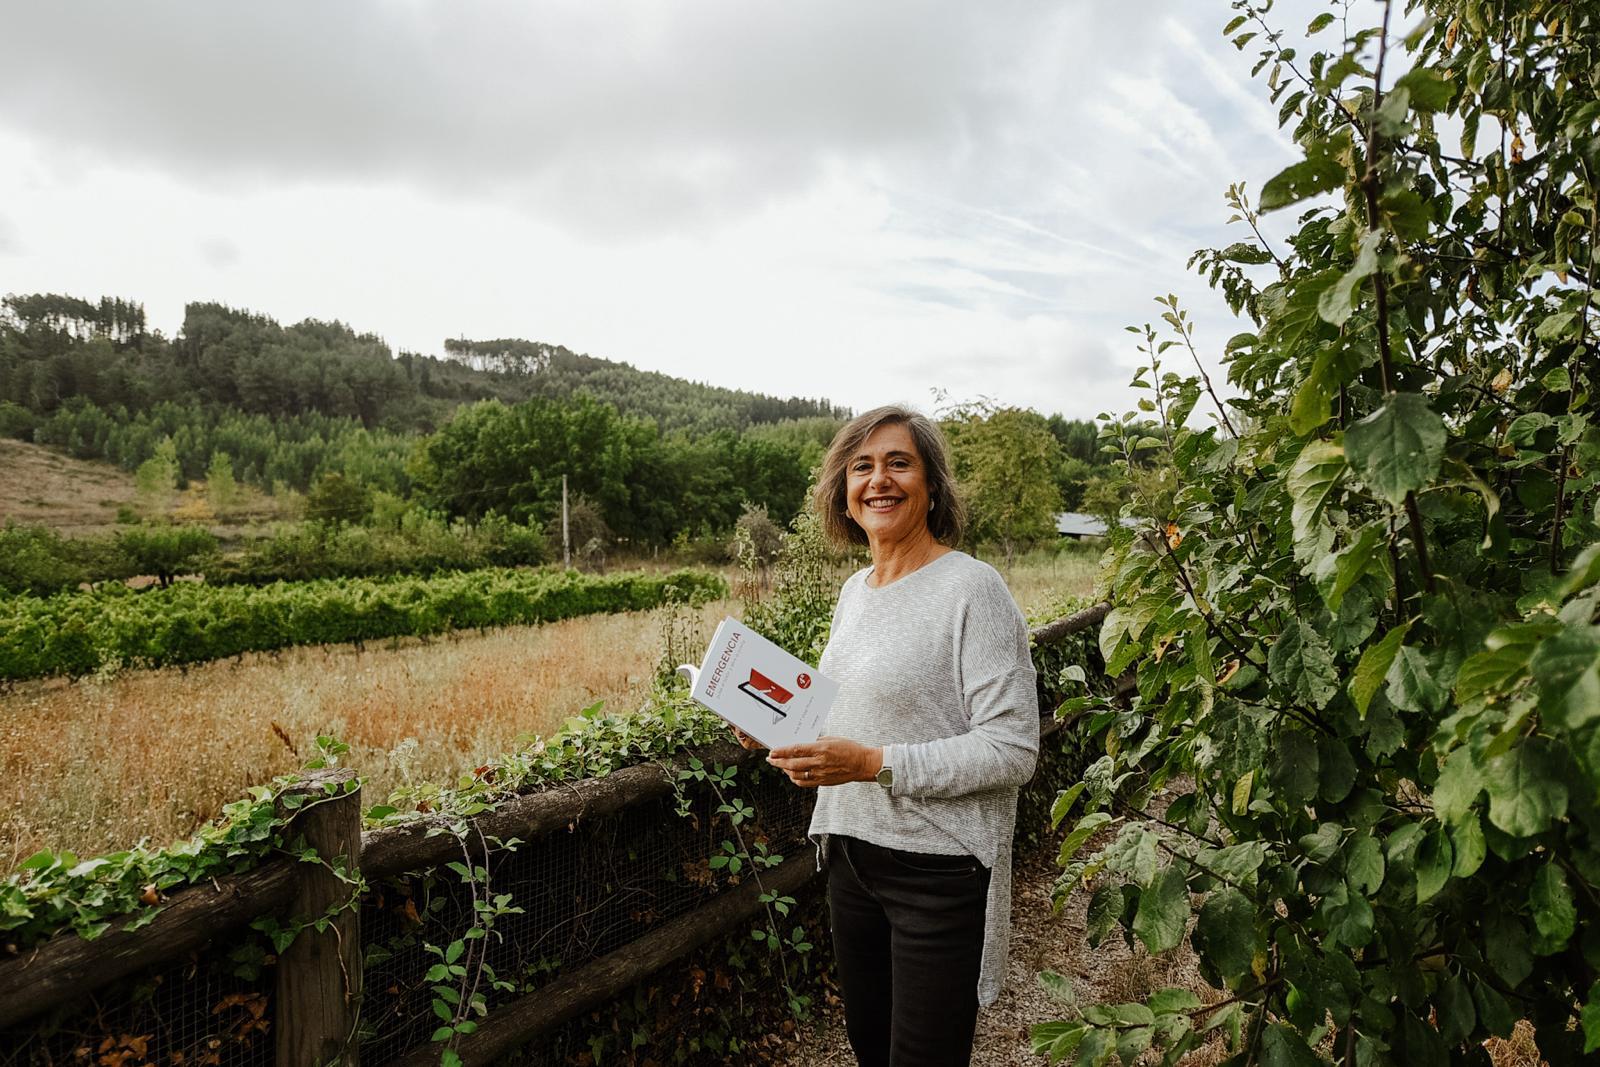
319, 977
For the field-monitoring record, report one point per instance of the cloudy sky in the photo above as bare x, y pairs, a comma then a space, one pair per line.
864, 201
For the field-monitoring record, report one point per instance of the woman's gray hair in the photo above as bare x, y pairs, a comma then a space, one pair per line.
948, 517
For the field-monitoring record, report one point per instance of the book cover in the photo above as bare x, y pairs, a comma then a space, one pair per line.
776, 698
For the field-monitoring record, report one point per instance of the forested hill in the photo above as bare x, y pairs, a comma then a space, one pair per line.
553, 371
54, 349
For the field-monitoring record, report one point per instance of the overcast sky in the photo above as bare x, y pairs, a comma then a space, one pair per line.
859, 200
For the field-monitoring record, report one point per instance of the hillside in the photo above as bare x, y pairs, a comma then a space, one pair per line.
58, 349
45, 487
42, 487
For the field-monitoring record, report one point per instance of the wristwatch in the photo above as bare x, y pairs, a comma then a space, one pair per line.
886, 776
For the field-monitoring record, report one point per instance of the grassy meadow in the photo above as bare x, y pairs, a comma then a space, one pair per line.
95, 765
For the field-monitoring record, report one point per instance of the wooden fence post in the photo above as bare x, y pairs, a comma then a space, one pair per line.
318, 1000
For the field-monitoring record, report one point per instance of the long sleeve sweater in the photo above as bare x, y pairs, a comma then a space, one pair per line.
935, 668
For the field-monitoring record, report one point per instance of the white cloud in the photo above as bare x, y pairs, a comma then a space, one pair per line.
861, 201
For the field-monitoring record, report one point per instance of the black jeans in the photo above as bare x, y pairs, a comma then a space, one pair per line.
908, 939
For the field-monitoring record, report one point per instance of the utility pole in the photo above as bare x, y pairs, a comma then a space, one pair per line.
566, 538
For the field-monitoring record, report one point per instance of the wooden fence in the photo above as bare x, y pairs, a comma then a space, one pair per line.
319, 978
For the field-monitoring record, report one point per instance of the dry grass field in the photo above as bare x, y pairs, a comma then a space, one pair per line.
93, 766
45, 487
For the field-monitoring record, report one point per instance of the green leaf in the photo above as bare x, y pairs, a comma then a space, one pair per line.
1411, 685
1506, 943
1336, 770
1282, 1047
1470, 845
1081, 833
1302, 664
1566, 668
1338, 299
1224, 933
1434, 859
1173, 999
1554, 913
1556, 327
1295, 767
1105, 910
1064, 801
1526, 790
1320, 23
1240, 801
1163, 911
1591, 1020
1430, 90
1374, 666
1317, 174
1585, 569
1316, 471
1363, 864
1058, 987
1458, 786
1557, 380
1397, 449
1056, 1039
1508, 652
1352, 563
1457, 1016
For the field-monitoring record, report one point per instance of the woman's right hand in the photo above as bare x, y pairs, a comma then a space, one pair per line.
745, 740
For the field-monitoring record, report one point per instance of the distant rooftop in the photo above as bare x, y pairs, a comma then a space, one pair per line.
1080, 524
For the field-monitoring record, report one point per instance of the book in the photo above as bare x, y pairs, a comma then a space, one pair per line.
776, 698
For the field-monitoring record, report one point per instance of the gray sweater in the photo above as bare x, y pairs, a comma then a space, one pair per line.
935, 668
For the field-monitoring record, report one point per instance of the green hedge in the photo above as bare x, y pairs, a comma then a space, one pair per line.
79, 633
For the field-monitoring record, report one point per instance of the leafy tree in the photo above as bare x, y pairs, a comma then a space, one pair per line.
1006, 462
336, 499
1369, 637
166, 551
222, 492
157, 477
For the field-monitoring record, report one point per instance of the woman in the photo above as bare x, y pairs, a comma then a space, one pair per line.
937, 725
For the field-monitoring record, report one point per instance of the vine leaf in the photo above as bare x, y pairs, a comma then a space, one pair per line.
1397, 449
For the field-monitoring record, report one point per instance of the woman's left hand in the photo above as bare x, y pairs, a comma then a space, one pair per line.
828, 761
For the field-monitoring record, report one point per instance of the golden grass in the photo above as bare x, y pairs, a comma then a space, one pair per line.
94, 766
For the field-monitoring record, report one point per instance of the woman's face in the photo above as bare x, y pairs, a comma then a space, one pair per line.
886, 485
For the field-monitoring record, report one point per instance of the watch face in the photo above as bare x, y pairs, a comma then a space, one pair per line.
886, 777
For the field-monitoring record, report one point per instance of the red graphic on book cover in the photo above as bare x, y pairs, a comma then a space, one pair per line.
767, 691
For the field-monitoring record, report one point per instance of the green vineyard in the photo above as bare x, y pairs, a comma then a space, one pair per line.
81, 633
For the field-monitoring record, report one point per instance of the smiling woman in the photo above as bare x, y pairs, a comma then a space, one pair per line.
937, 725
